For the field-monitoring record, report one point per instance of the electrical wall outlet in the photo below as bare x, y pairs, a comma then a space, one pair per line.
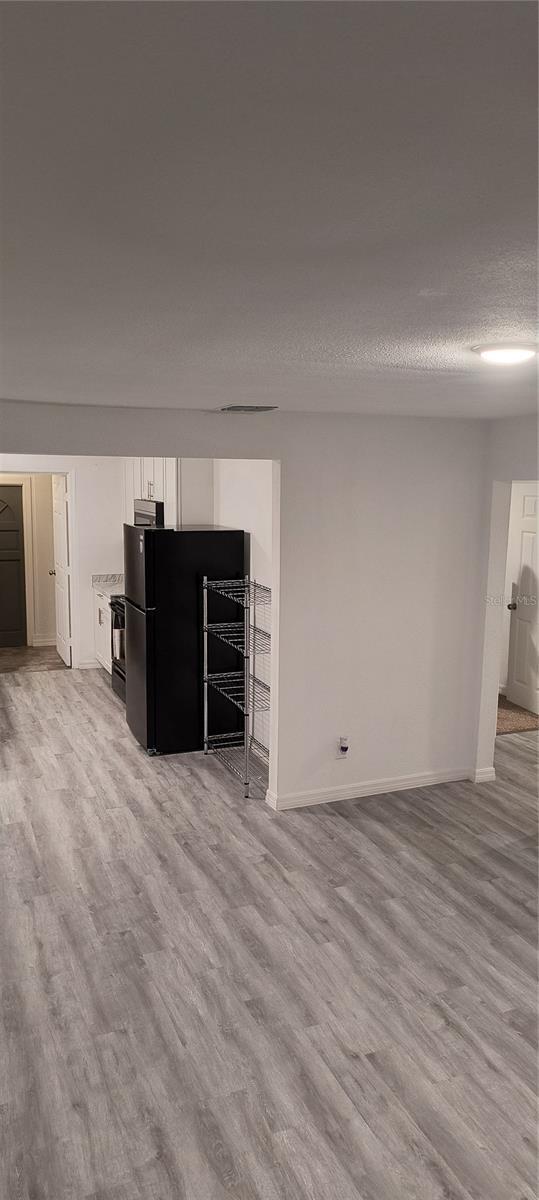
343, 749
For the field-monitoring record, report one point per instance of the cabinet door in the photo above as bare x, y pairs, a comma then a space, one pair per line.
147, 479
138, 482
107, 638
158, 479
102, 631
132, 486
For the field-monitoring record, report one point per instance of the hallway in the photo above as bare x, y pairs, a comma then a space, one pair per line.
30, 658
202, 999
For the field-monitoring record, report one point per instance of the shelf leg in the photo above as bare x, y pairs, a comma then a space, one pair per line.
205, 637
247, 688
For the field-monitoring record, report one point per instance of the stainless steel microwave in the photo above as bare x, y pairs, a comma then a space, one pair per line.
149, 513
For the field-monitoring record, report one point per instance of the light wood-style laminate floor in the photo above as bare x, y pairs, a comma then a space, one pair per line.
30, 658
205, 1000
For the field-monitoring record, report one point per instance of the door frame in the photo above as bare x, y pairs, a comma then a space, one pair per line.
514, 584
25, 481
494, 600
68, 569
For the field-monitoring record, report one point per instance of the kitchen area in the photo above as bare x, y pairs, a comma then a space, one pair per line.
186, 520
161, 573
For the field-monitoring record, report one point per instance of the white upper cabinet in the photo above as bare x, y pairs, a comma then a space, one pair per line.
151, 479
158, 479
132, 487
148, 483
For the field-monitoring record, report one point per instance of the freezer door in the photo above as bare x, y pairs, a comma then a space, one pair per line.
140, 674
138, 566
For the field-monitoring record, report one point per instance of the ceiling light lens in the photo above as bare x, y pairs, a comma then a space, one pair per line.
506, 356
248, 408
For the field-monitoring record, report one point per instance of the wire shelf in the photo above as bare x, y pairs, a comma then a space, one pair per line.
232, 685
242, 752
241, 592
233, 634
261, 752
232, 756
225, 739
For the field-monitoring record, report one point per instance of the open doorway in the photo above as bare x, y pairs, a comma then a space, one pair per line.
518, 701
89, 501
28, 569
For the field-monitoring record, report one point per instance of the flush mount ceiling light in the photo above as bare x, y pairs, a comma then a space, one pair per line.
506, 355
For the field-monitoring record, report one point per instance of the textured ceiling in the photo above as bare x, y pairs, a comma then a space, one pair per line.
320, 206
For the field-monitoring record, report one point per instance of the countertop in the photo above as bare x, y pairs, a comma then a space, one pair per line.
108, 585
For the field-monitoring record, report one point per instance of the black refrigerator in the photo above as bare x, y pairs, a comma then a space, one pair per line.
164, 569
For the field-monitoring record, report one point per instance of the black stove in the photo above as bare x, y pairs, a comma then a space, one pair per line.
117, 608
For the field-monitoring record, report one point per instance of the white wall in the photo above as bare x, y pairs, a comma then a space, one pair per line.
379, 635
384, 529
98, 535
243, 491
512, 448
195, 491
243, 499
97, 510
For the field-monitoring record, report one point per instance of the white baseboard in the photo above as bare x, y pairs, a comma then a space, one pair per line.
483, 775
43, 640
354, 791
87, 664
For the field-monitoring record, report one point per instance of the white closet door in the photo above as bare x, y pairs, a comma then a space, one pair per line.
61, 567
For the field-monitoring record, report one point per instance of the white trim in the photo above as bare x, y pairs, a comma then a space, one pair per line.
275, 621
43, 641
494, 576
72, 553
372, 787
89, 664
483, 775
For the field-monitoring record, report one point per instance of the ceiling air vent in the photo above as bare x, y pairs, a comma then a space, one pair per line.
248, 408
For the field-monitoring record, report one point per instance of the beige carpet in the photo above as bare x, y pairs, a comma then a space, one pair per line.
512, 719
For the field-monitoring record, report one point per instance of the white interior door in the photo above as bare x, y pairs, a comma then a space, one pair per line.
61, 567
523, 667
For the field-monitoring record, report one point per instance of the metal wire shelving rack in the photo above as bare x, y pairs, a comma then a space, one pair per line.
241, 752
